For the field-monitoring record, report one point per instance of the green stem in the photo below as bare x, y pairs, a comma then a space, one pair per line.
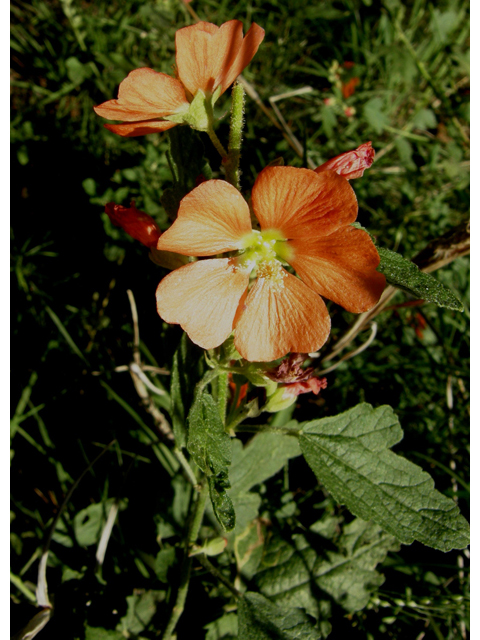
205, 562
237, 120
196, 523
222, 395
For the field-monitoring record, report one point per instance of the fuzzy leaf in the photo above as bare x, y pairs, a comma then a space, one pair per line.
405, 275
349, 455
211, 448
209, 445
259, 619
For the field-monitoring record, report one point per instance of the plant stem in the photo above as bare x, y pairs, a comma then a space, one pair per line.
205, 562
194, 528
222, 395
216, 142
232, 172
186, 466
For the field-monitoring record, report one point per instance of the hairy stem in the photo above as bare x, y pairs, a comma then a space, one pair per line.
232, 171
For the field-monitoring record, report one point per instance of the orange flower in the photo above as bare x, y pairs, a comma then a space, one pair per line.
305, 221
209, 59
351, 164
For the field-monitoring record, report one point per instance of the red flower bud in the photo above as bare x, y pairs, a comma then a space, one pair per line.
351, 164
137, 224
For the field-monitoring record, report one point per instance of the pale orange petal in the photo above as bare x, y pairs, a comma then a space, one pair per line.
249, 48
212, 219
301, 203
203, 298
277, 320
133, 129
341, 267
203, 51
145, 94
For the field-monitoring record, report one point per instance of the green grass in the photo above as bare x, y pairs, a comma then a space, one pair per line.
71, 320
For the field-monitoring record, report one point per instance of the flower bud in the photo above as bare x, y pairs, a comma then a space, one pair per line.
351, 164
137, 224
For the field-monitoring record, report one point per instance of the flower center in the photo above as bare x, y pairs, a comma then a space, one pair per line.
260, 254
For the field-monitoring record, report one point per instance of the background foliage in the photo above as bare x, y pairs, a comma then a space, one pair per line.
72, 324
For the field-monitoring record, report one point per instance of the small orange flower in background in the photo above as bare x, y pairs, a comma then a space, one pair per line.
208, 61
305, 221
351, 164
137, 224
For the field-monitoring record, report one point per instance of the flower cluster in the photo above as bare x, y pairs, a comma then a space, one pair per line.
263, 282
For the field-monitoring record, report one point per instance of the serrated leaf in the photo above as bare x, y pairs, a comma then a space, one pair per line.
349, 455
260, 619
211, 448
290, 573
208, 444
405, 275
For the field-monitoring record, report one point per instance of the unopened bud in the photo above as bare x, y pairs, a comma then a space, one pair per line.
137, 224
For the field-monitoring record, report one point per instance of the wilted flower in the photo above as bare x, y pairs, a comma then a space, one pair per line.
209, 59
351, 164
305, 221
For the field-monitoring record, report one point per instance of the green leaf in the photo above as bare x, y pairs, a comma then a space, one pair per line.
375, 115
211, 448
88, 523
141, 609
164, 560
259, 619
98, 633
291, 573
405, 275
225, 627
222, 503
349, 455
180, 383
264, 456
208, 444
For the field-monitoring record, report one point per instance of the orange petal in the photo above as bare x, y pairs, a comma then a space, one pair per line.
301, 203
341, 267
277, 320
234, 67
133, 129
145, 94
212, 219
203, 298
202, 52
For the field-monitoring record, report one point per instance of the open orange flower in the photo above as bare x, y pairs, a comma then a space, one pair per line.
209, 59
305, 221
